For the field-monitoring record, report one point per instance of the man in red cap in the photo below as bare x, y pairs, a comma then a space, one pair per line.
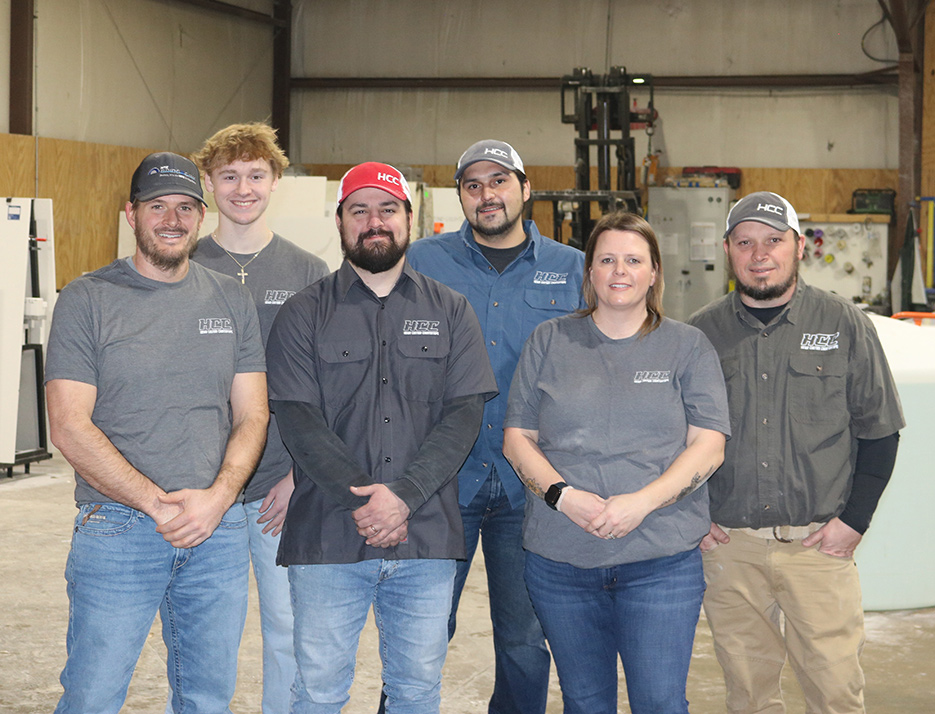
378, 377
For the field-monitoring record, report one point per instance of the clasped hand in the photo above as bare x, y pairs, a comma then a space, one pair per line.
607, 518
383, 520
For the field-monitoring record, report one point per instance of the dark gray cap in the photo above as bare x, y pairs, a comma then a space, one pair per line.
490, 150
165, 174
763, 207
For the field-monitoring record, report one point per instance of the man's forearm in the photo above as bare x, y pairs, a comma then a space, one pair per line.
319, 452
443, 451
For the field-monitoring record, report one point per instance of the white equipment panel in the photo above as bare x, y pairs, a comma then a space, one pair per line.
689, 223
847, 256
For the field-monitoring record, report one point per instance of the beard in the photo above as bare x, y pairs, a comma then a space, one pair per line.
374, 256
766, 292
499, 229
161, 258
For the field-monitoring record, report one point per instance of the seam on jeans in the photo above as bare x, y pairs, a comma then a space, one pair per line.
176, 674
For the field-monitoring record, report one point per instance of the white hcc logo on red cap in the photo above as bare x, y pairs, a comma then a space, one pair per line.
388, 178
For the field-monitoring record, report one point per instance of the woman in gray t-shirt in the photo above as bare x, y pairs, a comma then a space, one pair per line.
617, 416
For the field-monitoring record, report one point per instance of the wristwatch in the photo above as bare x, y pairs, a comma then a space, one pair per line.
552, 495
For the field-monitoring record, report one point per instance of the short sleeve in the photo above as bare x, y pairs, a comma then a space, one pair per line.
872, 398
469, 371
291, 355
703, 391
523, 402
72, 345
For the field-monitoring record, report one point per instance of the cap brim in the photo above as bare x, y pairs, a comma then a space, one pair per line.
174, 191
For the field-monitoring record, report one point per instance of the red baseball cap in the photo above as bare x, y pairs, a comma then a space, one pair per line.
374, 175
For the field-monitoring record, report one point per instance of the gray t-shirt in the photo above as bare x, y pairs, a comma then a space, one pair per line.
612, 415
279, 271
163, 358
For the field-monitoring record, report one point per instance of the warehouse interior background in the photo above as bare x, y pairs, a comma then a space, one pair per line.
813, 99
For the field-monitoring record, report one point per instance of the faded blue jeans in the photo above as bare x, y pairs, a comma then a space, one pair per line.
411, 600
521, 683
120, 572
645, 611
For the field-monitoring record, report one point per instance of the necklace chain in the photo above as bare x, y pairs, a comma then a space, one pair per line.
243, 266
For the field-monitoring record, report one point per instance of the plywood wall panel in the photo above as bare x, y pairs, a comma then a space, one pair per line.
18, 167
88, 184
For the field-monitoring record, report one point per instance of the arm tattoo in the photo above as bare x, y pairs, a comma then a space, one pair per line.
528, 480
696, 481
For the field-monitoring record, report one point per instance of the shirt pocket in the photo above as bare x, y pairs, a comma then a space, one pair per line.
544, 304
421, 368
345, 365
818, 388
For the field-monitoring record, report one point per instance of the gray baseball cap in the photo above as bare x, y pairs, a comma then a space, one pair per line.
165, 174
490, 150
763, 207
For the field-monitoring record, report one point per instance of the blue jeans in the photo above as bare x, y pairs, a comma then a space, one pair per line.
120, 572
521, 684
646, 611
272, 583
411, 600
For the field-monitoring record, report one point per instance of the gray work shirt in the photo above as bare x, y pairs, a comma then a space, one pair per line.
380, 371
801, 390
273, 275
612, 416
162, 357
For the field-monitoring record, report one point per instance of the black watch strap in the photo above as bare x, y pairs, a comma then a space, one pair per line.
552, 495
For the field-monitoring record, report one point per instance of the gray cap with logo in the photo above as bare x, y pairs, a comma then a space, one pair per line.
165, 174
490, 150
763, 207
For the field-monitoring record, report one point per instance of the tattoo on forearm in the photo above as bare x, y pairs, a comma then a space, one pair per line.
528, 480
696, 481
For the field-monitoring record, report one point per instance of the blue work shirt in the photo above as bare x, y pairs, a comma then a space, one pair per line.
543, 282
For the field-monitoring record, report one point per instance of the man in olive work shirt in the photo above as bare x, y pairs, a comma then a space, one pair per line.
378, 375
814, 420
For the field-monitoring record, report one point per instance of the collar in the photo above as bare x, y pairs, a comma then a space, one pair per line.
535, 238
346, 278
791, 312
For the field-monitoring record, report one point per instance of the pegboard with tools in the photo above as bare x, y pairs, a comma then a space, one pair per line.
846, 254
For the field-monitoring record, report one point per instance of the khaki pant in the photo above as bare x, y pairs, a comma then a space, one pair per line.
752, 583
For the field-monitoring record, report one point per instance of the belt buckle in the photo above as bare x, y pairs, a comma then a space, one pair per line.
779, 537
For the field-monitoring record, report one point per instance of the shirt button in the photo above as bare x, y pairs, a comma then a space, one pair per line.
346, 353
552, 301
764, 464
384, 380
382, 306
765, 334
386, 420
424, 348
383, 342
766, 507
387, 459
818, 368
493, 342
765, 421
490, 426
485, 464
762, 376
496, 304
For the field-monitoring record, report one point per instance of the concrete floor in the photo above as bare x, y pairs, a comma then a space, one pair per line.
36, 513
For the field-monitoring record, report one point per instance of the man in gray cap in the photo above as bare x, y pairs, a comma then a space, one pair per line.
515, 278
157, 397
814, 419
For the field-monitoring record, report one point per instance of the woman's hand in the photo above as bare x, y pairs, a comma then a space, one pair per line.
620, 515
581, 506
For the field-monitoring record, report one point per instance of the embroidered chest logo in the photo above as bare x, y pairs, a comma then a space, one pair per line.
277, 297
547, 277
420, 327
652, 377
215, 326
819, 342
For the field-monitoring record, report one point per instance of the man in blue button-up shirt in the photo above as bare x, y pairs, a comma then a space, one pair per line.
515, 279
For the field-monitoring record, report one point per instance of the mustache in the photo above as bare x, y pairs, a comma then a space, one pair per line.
373, 233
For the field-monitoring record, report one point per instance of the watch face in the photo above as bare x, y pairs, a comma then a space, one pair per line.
551, 496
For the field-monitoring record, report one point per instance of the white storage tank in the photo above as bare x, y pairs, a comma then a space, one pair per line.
897, 555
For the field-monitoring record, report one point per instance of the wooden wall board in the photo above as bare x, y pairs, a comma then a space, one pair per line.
18, 168
89, 185
928, 106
